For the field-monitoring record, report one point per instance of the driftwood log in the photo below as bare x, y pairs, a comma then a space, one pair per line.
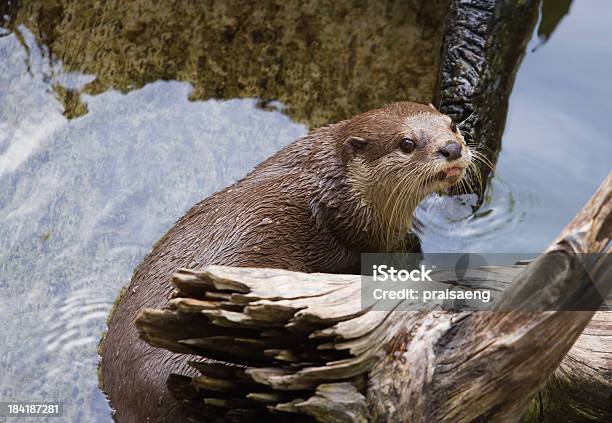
299, 347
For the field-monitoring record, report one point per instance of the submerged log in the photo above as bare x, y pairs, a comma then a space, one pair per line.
297, 346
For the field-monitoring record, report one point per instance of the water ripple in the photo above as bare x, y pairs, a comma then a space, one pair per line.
453, 223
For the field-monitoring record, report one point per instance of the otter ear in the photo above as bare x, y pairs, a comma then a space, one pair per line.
355, 144
433, 107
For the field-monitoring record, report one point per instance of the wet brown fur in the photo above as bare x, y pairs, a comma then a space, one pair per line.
311, 207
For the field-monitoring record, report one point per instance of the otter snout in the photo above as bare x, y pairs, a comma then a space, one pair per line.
452, 151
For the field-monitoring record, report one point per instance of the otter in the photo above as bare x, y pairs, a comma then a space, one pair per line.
314, 206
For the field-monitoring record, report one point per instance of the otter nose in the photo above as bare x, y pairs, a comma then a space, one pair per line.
452, 151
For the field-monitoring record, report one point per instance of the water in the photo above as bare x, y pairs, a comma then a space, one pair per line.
97, 163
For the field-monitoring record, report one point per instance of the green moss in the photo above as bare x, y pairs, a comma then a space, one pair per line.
71, 99
324, 60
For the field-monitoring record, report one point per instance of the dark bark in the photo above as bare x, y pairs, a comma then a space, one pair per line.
484, 44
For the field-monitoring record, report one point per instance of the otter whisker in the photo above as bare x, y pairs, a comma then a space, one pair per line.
412, 195
427, 173
402, 181
481, 154
476, 146
481, 158
405, 183
465, 120
384, 209
465, 184
474, 176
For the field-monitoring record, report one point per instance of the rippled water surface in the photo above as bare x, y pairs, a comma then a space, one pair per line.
93, 171
83, 200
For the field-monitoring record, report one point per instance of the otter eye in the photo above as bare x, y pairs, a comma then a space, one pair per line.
453, 126
407, 145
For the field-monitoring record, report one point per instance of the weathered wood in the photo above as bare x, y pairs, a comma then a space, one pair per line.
581, 388
308, 349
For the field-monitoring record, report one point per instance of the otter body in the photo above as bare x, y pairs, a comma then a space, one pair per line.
314, 206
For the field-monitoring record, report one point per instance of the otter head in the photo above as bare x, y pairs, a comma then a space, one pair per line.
396, 156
